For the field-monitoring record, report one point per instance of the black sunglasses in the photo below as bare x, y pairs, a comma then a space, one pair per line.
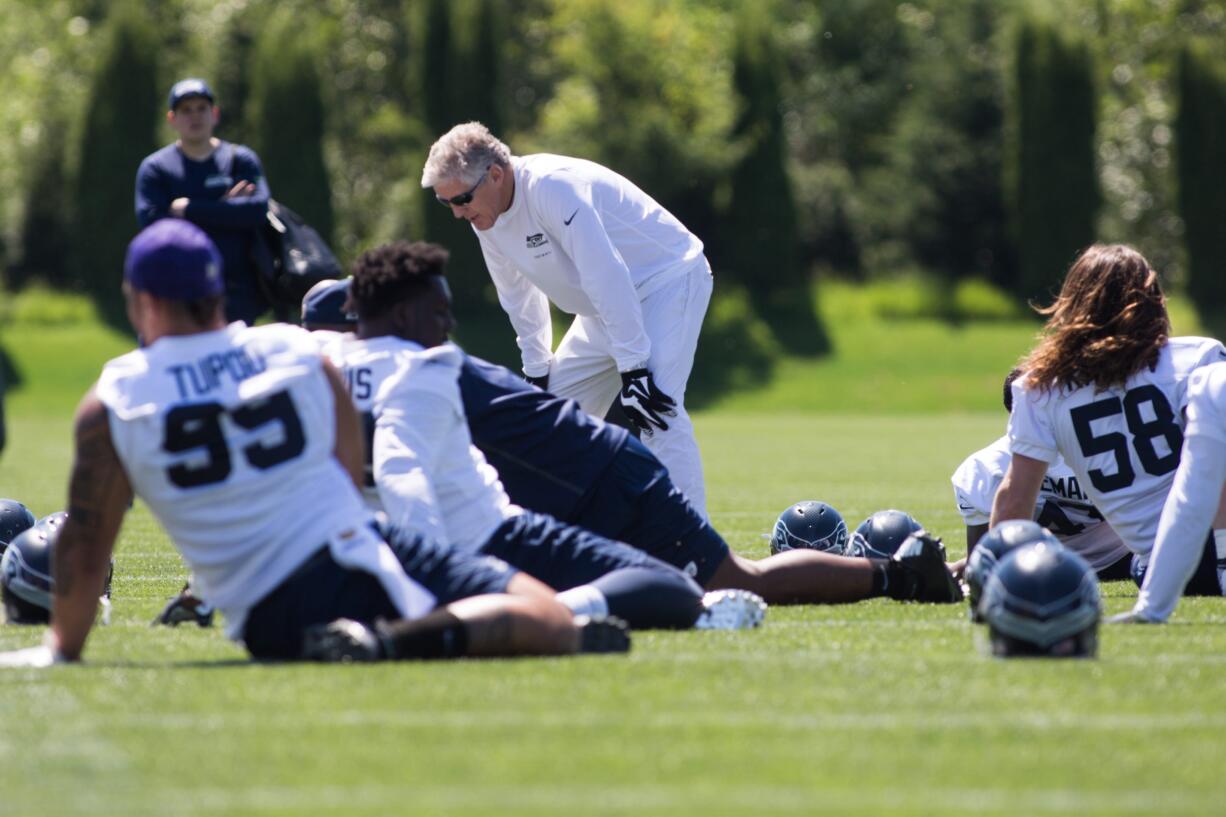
465, 198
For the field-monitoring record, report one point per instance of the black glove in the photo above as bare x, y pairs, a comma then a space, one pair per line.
541, 381
185, 607
643, 403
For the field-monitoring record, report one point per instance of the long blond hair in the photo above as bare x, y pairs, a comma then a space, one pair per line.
1108, 322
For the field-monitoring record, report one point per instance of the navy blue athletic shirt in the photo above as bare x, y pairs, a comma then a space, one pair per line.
167, 175
547, 450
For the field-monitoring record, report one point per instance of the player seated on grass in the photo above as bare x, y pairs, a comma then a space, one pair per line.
1195, 505
1105, 390
244, 444
426, 472
1062, 508
554, 458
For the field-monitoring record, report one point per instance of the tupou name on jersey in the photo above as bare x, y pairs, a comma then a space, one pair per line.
1066, 487
210, 371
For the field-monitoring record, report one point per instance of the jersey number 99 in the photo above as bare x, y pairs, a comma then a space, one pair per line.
197, 426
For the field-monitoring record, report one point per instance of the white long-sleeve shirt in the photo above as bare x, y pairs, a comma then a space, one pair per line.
590, 241
429, 475
1190, 506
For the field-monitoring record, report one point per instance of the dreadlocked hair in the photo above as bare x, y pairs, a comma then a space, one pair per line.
1108, 322
391, 273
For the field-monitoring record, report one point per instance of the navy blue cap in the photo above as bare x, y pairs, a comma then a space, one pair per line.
174, 259
324, 305
185, 88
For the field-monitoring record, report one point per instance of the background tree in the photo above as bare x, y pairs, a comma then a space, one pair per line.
937, 197
123, 106
1200, 132
759, 241
1054, 180
46, 232
286, 122
459, 81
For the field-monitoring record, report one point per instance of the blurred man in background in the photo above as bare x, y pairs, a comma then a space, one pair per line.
212, 183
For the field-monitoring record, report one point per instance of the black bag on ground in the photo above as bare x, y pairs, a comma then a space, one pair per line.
291, 258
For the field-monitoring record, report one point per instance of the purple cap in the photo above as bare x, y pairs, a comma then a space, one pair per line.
175, 260
185, 88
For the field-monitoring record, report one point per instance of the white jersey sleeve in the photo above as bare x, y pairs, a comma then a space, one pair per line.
565, 205
526, 306
976, 480
1030, 430
1193, 500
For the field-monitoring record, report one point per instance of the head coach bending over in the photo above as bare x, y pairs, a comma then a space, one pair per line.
554, 228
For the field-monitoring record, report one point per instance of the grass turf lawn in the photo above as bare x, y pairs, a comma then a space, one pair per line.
871, 708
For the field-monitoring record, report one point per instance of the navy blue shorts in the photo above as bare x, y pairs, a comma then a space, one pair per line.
1203, 582
636, 502
321, 591
561, 555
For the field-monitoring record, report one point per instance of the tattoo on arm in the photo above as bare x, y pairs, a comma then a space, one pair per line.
98, 496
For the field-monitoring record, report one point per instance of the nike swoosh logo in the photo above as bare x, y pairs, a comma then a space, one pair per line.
572, 217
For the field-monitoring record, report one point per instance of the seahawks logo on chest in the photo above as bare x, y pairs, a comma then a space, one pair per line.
536, 240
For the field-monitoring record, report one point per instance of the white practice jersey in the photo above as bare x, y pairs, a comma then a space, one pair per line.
589, 240
1123, 443
229, 436
426, 474
1063, 508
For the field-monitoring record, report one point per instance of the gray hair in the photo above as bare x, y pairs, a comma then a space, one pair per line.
463, 154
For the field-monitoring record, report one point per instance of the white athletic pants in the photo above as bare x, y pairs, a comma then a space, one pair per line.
583, 370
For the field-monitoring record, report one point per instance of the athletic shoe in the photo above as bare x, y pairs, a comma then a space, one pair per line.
919, 572
730, 610
602, 634
343, 640
183, 608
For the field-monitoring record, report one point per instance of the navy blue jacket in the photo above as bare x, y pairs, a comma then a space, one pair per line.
548, 451
167, 175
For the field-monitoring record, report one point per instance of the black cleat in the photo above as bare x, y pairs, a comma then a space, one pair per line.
602, 634
183, 608
917, 572
341, 641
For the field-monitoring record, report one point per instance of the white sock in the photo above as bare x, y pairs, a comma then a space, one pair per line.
584, 600
1219, 542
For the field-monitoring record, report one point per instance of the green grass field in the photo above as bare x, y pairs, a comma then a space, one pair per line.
875, 708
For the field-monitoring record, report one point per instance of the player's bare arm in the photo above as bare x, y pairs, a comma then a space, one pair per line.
1019, 490
98, 497
350, 448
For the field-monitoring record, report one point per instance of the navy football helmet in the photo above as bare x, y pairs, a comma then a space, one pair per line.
879, 536
55, 521
26, 582
1006, 536
812, 525
15, 519
25, 577
1042, 599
